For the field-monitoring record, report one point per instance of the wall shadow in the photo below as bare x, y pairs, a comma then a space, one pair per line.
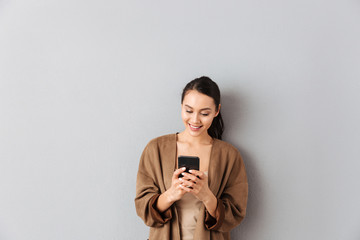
234, 114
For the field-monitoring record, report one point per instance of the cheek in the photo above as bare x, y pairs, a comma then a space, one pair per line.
184, 116
208, 121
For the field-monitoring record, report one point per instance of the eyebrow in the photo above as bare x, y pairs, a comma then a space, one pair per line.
200, 109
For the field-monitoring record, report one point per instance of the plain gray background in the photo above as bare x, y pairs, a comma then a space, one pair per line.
84, 85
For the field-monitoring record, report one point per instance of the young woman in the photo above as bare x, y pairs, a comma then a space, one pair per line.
200, 205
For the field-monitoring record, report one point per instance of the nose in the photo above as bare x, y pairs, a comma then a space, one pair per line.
195, 118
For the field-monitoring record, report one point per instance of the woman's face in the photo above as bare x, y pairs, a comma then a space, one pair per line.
197, 112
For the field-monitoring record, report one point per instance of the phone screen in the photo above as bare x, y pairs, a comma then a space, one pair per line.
190, 162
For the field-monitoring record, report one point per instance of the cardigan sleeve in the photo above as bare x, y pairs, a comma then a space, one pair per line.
231, 205
147, 190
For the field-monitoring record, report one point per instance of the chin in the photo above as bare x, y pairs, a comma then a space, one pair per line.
194, 134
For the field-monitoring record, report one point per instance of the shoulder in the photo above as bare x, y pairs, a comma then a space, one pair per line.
156, 147
226, 147
230, 156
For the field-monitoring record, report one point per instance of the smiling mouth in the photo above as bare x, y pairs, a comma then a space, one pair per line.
194, 128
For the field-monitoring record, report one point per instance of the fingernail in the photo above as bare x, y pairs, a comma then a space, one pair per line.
183, 168
181, 179
191, 171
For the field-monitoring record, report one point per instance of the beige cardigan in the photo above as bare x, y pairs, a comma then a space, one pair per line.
227, 180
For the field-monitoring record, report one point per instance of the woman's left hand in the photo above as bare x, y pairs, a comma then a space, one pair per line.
197, 184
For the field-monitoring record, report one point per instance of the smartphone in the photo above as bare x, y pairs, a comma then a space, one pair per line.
190, 162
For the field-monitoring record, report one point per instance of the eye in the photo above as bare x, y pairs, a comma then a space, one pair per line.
188, 111
205, 114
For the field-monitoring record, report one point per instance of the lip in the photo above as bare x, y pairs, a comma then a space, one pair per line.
197, 128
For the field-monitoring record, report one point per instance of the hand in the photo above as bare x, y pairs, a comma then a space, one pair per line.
196, 183
175, 192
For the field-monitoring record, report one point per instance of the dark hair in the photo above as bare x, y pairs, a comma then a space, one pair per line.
208, 87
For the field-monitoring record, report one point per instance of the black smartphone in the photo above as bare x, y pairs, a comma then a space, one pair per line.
190, 162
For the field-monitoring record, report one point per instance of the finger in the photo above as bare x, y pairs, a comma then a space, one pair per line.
199, 174
187, 183
189, 176
179, 187
184, 188
178, 172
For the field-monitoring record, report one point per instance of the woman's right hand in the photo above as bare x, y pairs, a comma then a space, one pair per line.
173, 194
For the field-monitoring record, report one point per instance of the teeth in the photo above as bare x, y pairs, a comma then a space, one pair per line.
194, 126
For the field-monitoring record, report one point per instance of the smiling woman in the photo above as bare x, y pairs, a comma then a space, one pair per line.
204, 203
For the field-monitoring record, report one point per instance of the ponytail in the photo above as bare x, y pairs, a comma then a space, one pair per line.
217, 127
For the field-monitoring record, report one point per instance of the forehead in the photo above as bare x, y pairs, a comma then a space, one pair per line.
199, 100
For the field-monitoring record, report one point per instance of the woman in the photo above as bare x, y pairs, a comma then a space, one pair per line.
204, 204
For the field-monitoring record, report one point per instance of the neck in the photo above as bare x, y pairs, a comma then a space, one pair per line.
198, 140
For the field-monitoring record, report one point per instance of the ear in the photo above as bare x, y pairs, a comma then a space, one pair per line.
218, 111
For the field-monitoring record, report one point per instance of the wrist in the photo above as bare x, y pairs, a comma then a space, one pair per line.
168, 197
164, 202
210, 198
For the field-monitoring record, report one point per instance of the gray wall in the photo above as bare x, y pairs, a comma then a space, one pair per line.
84, 85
